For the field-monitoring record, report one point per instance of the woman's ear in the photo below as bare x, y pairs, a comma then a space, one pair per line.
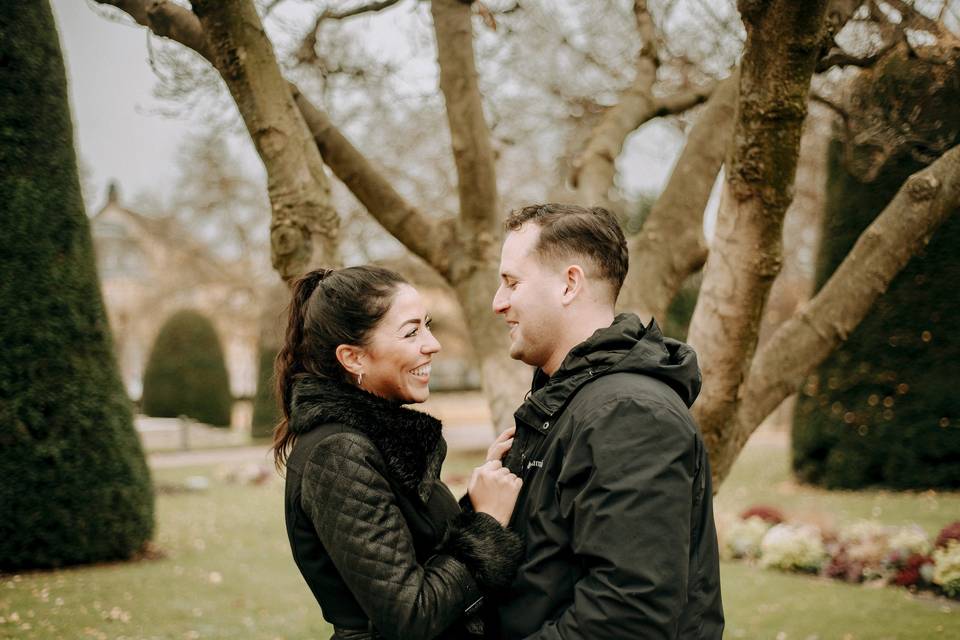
351, 359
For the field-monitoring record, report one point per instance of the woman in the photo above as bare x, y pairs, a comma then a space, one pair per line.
379, 539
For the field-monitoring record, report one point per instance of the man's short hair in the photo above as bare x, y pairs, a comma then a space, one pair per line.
568, 230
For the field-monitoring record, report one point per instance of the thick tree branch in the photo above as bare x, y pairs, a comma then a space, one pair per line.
304, 227
784, 39
167, 20
594, 168
470, 136
670, 246
426, 238
904, 227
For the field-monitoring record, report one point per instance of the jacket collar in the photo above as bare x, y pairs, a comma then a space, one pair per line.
626, 345
410, 441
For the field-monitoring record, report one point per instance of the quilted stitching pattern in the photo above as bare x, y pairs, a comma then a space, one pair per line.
356, 517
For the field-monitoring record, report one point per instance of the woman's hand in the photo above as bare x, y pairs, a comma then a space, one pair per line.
501, 445
493, 490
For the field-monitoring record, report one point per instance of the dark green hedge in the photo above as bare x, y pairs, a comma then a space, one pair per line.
882, 410
186, 374
75, 486
265, 412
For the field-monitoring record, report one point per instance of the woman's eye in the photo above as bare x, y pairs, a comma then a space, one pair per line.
412, 333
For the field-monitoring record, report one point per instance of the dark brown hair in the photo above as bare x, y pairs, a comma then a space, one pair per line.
570, 230
328, 308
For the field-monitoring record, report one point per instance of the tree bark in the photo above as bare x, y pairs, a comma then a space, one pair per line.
924, 202
304, 228
473, 272
594, 170
670, 245
783, 40
428, 238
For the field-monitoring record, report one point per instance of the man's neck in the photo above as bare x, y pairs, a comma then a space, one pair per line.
577, 331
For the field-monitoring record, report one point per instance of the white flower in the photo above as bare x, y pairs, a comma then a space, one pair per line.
910, 540
744, 537
946, 567
865, 541
793, 548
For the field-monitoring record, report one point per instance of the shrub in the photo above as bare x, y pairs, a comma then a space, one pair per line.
948, 533
912, 540
792, 547
946, 568
744, 537
75, 485
881, 410
186, 374
770, 515
265, 412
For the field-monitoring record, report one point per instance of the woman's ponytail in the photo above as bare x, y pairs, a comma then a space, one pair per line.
289, 362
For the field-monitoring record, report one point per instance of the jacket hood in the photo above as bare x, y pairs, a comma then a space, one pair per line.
410, 441
624, 346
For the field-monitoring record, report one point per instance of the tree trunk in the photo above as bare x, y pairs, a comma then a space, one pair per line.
783, 39
473, 268
304, 228
76, 487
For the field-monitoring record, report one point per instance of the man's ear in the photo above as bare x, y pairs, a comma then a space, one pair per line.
575, 283
350, 358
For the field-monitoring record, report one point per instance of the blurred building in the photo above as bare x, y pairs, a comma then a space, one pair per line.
149, 269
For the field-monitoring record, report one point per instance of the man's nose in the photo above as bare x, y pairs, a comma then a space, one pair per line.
500, 302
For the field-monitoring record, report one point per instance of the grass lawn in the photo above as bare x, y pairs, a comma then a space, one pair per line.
228, 573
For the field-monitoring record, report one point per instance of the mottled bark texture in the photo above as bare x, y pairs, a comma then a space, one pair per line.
304, 228
473, 269
783, 41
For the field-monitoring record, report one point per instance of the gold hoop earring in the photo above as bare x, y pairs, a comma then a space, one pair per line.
360, 379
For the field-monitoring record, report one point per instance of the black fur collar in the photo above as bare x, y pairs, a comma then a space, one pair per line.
410, 442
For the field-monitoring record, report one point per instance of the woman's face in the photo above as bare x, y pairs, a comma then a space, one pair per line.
396, 360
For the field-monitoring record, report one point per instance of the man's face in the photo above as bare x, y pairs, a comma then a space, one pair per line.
529, 297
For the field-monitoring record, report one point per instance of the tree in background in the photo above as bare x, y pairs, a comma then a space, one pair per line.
76, 487
186, 374
882, 409
751, 124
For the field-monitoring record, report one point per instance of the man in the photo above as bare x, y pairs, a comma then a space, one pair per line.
616, 506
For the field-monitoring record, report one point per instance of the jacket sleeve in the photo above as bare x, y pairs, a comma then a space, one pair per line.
354, 512
626, 488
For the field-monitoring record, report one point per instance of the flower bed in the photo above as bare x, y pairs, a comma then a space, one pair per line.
865, 551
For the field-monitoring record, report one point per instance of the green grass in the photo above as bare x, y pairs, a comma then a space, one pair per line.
228, 572
761, 476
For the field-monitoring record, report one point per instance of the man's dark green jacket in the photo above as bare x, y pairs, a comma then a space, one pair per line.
616, 507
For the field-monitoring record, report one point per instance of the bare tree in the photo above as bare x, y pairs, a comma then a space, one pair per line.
751, 122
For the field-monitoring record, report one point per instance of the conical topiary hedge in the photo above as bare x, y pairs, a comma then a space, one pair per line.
75, 486
186, 374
